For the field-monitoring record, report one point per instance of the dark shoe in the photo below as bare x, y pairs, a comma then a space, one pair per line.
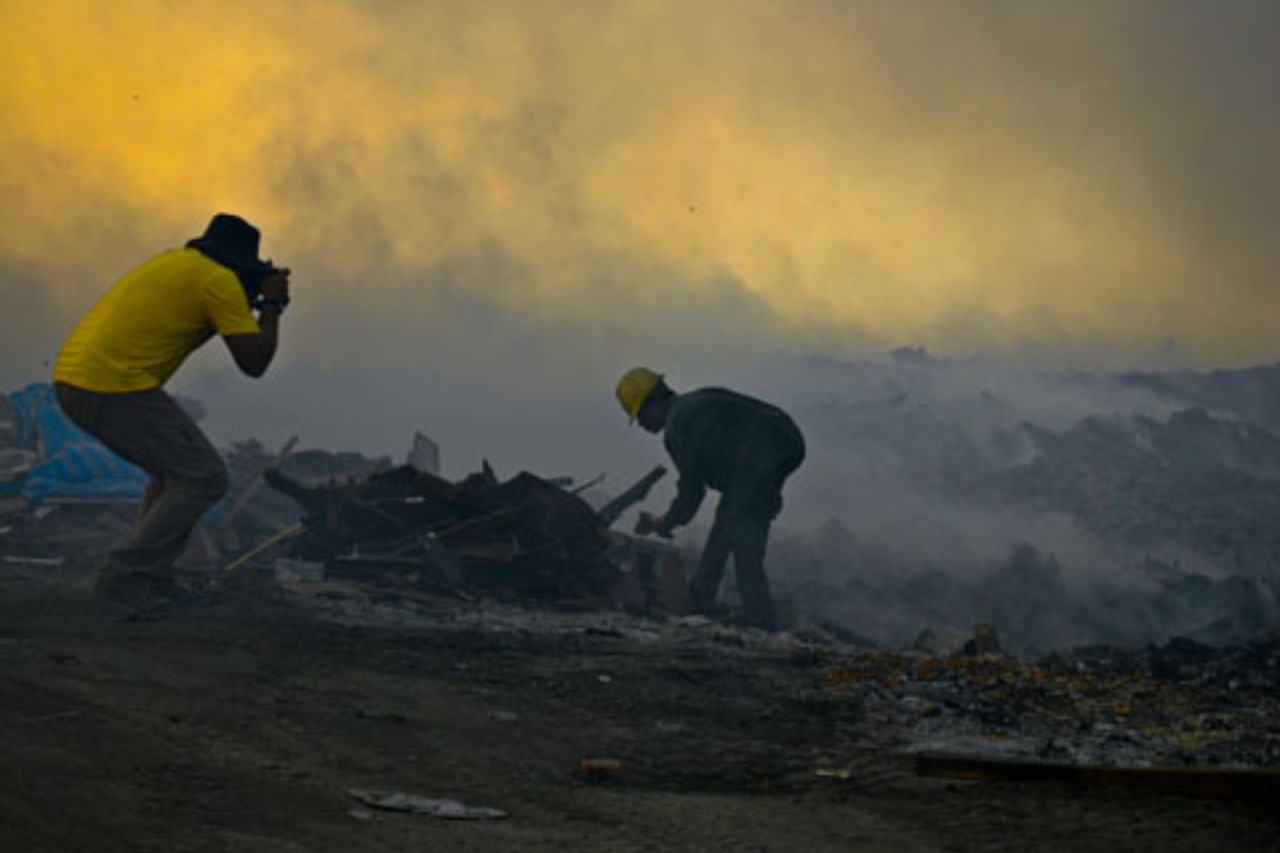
136, 588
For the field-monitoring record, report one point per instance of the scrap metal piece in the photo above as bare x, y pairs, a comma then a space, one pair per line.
396, 801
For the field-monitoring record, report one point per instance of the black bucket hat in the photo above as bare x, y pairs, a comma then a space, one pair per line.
232, 242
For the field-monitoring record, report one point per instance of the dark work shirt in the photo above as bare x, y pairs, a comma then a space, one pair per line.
705, 432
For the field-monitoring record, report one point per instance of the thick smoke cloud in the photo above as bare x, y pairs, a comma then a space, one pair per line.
1057, 180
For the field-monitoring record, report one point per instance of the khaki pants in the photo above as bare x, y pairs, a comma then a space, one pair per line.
187, 476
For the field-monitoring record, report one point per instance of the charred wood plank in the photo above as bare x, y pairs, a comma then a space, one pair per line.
610, 512
470, 525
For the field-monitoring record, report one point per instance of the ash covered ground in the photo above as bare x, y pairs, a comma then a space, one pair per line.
254, 717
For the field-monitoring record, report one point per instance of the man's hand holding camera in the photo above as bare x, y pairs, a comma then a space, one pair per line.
275, 289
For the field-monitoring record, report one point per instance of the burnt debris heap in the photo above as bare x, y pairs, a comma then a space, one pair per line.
525, 537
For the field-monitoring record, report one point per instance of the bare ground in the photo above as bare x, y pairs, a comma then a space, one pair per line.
241, 720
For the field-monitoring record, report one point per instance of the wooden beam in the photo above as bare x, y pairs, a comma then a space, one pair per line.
1207, 782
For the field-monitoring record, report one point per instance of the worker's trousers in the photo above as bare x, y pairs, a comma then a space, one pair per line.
741, 528
186, 474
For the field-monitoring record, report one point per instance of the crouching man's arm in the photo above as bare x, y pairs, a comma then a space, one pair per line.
253, 352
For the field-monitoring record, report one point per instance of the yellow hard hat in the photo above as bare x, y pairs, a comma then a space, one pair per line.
634, 388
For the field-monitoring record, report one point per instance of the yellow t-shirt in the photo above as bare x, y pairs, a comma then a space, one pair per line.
149, 321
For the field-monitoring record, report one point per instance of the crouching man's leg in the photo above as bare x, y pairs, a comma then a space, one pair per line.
705, 585
187, 477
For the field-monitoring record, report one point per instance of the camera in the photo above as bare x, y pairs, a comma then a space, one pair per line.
252, 281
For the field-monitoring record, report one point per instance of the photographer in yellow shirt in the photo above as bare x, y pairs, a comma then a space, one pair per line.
110, 373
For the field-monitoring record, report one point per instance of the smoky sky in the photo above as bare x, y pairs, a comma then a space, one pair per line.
492, 210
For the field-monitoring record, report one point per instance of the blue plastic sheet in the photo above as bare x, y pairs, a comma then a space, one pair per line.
73, 464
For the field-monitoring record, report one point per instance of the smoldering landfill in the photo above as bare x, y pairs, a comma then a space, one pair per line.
530, 558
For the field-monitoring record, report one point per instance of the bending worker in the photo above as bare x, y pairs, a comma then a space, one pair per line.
739, 446
110, 373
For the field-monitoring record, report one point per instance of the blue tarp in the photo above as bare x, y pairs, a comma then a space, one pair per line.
73, 464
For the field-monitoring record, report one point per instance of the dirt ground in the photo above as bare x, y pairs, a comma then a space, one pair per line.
242, 720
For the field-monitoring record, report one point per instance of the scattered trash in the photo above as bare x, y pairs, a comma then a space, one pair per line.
61, 715
1178, 705
985, 641
842, 774
35, 561
424, 455
396, 801
296, 571
70, 464
601, 769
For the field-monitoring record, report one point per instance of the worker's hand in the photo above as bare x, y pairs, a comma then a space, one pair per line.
649, 523
275, 286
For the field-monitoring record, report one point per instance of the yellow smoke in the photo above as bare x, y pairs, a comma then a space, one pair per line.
868, 172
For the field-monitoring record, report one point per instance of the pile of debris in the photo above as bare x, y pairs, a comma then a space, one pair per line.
526, 537
251, 513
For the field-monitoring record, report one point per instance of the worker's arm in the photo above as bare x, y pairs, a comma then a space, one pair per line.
689, 494
691, 487
253, 352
